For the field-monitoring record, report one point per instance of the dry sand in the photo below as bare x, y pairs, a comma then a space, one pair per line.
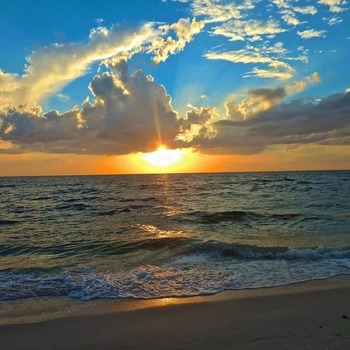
313, 315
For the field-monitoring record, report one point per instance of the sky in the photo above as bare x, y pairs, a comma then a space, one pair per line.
213, 85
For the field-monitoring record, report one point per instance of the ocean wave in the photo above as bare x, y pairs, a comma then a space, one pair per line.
209, 218
150, 281
74, 206
180, 247
44, 198
8, 222
148, 199
252, 252
183, 246
107, 212
213, 218
7, 185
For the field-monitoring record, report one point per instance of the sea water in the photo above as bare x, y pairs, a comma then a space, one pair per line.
151, 236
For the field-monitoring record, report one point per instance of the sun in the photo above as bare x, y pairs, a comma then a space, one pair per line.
163, 157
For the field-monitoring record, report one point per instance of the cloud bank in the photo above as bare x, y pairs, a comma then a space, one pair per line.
295, 123
132, 113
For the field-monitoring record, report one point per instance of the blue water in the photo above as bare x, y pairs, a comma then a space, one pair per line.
147, 236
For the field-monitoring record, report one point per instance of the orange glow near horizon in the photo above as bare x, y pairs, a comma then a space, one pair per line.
190, 161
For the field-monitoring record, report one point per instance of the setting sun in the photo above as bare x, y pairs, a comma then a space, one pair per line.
163, 157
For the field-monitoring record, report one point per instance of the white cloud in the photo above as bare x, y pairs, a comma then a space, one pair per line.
333, 20
275, 70
263, 54
289, 17
287, 13
307, 10
52, 67
334, 5
237, 23
184, 29
311, 33
63, 96
251, 30
215, 11
239, 56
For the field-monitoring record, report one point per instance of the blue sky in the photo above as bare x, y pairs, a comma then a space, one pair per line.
219, 60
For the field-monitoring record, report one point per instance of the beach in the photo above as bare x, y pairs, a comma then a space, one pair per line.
310, 315
176, 261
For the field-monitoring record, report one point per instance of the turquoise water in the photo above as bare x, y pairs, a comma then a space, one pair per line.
147, 236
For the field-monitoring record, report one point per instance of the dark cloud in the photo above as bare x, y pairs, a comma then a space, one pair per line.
130, 113
257, 100
297, 122
268, 94
197, 117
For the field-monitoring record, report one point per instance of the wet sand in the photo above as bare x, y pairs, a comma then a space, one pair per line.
312, 315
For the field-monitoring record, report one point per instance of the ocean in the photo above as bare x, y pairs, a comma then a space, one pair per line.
170, 235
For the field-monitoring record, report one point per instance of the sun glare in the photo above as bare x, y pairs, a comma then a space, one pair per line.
163, 157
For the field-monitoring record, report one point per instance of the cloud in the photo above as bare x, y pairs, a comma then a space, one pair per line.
334, 5
130, 113
8, 85
214, 11
259, 99
311, 33
294, 123
238, 23
262, 99
198, 121
307, 10
247, 55
184, 29
63, 96
333, 20
289, 17
272, 56
286, 12
251, 30
276, 70
52, 67
301, 85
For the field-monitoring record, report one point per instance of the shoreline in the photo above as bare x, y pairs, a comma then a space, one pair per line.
40, 309
313, 314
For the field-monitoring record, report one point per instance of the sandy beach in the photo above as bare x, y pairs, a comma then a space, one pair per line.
311, 315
